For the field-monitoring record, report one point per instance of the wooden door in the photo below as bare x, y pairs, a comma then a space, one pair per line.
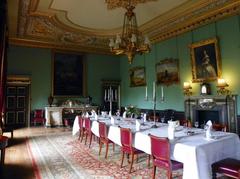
16, 106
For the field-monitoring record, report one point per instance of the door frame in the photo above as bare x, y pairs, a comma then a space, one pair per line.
19, 80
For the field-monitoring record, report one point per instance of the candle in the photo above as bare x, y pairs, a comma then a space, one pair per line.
146, 95
162, 92
116, 97
105, 95
108, 94
154, 90
222, 82
186, 85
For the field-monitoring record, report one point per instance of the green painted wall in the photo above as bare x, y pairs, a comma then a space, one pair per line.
228, 33
36, 63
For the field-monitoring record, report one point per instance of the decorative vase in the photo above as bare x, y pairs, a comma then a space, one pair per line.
50, 100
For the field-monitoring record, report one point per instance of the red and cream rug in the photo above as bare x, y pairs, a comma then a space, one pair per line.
62, 156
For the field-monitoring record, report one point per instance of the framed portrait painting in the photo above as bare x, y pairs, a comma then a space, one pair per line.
137, 76
205, 57
167, 71
68, 74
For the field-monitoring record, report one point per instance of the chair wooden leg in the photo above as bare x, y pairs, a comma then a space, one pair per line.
214, 175
90, 140
154, 172
148, 162
82, 135
2, 156
106, 154
86, 138
100, 148
132, 159
122, 158
113, 147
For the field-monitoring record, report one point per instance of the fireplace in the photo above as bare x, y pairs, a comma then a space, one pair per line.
217, 115
218, 109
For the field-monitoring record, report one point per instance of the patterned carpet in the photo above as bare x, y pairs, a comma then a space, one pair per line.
62, 156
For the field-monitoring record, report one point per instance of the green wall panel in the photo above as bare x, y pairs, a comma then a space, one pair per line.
228, 33
36, 63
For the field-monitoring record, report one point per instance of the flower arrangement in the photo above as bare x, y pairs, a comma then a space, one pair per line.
132, 110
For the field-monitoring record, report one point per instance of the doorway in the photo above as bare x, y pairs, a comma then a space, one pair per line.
17, 103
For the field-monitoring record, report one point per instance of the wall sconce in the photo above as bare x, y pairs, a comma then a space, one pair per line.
222, 84
186, 89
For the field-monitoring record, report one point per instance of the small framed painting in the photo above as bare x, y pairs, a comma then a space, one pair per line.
205, 57
167, 71
137, 76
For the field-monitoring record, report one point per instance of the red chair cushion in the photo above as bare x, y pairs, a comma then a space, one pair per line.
227, 166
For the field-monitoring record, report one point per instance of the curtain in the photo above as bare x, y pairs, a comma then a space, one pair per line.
3, 55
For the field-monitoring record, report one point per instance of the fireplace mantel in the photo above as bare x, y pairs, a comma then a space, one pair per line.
225, 106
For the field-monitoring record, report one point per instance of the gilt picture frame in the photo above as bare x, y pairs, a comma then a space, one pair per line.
205, 59
167, 71
137, 76
68, 74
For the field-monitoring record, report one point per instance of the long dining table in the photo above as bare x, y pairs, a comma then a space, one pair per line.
195, 151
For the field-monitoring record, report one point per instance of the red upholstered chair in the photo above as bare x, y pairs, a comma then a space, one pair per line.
3, 145
88, 131
219, 127
81, 127
126, 141
160, 149
38, 117
228, 167
103, 138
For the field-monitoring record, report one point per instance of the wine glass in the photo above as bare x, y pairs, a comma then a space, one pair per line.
196, 124
118, 114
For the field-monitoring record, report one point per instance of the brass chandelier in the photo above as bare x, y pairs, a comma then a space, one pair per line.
131, 41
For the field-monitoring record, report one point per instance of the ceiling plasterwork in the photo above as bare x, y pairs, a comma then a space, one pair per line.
39, 28
112, 4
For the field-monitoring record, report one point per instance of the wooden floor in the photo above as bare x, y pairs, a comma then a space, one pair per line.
18, 164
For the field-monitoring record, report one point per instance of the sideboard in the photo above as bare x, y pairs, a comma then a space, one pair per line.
54, 115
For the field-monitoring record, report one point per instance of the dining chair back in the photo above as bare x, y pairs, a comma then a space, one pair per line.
38, 116
81, 127
88, 132
219, 127
102, 130
160, 149
229, 167
103, 138
126, 141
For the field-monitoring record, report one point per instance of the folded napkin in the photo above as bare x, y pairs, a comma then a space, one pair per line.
112, 120
96, 116
124, 114
86, 115
138, 125
209, 130
144, 117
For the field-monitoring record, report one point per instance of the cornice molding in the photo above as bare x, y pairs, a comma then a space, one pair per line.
48, 45
49, 32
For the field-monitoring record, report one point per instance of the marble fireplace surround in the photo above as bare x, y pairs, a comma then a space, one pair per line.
218, 109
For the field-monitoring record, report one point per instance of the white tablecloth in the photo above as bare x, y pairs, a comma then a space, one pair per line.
195, 152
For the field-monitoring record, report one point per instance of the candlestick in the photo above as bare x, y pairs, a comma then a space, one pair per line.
154, 90
146, 92
116, 97
105, 94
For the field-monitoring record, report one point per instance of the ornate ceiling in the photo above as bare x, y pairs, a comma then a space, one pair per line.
87, 25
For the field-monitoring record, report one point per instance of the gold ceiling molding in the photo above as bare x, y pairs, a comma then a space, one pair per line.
112, 4
45, 30
49, 45
197, 17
